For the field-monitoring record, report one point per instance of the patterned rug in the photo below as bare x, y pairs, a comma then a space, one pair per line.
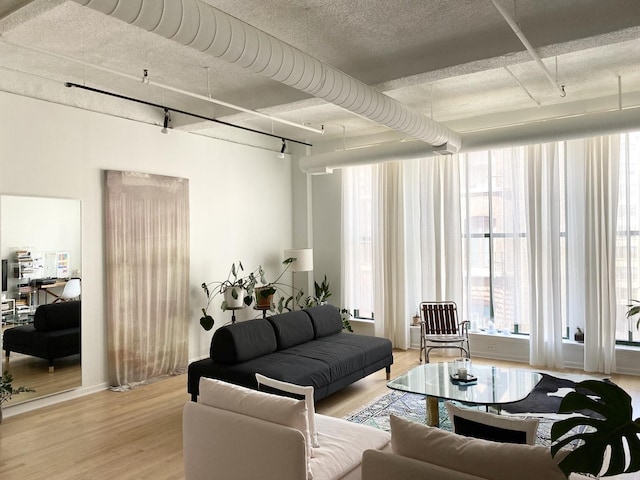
412, 407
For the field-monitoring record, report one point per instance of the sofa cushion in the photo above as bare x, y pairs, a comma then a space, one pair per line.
483, 458
243, 341
57, 316
306, 392
326, 320
498, 428
373, 348
265, 406
340, 358
291, 328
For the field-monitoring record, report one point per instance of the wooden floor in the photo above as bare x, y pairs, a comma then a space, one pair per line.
138, 434
34, 372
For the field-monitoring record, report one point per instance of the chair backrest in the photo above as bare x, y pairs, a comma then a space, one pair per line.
72, 289
440, 318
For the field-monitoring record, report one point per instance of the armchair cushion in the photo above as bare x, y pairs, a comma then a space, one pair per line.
473, 456
264, 406
377, 465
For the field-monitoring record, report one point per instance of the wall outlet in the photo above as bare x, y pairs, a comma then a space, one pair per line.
491, 346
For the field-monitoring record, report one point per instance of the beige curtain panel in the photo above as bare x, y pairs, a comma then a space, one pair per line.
147, 263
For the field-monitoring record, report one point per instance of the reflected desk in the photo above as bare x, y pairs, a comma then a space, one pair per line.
48, 288
494, 386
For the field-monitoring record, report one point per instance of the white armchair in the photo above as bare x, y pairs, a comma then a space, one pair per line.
235, 433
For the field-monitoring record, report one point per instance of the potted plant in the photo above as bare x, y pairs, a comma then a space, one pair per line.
615, 428
237, 292
7, 390
265, 293
634, 309
579, 335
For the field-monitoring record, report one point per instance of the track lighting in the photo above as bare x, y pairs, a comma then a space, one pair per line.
284, 147
167, 119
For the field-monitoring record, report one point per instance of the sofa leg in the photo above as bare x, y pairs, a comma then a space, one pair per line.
7, 352
50, 366
388, 370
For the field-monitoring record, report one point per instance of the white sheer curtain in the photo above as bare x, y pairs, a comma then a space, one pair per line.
147, 263
433, 230
544, 224
592, 188
391, 314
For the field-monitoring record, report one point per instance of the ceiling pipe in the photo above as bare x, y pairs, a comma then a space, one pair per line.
198, 25
544, 131
532, 51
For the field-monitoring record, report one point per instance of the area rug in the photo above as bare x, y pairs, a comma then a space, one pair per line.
545, 398
411, 406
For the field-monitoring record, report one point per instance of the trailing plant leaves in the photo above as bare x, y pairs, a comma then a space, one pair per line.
206, 320
634, 309
616, 427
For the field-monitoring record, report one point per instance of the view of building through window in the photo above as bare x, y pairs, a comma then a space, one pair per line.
495, 264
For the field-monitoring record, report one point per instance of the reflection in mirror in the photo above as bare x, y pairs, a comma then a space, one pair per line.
40, 245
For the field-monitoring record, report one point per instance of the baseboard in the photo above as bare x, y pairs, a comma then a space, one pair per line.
53, 399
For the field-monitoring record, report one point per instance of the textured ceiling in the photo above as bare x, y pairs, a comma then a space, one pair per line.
456, 61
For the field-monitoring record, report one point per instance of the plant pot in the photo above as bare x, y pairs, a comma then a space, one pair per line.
234, 297
264, 296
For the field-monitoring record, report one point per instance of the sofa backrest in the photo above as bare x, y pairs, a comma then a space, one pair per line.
57, 316
243, 341
292, 328
326, 320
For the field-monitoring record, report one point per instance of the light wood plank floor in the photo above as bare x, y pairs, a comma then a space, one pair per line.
138, 434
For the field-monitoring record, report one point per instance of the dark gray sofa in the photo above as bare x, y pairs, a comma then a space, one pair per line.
304, 347
54, 333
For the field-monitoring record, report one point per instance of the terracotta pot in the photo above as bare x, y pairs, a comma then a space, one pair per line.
264, 297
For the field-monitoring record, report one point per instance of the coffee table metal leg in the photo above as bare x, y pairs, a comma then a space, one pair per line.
433, 416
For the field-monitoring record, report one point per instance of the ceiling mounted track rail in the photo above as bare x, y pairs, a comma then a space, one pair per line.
166, 109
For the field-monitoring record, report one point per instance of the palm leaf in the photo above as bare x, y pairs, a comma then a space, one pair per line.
612, 431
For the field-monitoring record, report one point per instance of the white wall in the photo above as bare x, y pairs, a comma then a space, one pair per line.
240, 199
44, 224
327, 231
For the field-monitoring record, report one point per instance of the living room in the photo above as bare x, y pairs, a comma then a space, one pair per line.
58, 146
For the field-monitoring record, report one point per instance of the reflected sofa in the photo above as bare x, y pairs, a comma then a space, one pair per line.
54, 333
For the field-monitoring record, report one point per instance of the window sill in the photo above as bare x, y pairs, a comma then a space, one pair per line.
362, 321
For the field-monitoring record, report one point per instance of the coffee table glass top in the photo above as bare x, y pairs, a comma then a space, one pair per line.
495, 385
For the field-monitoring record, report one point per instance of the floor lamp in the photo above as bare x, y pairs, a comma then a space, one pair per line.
303, 263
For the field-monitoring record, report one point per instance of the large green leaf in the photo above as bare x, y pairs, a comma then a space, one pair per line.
612, 431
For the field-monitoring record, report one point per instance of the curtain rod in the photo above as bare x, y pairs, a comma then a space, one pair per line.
171, 109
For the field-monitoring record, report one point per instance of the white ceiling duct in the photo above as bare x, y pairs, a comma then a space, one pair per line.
198, 25
567, 128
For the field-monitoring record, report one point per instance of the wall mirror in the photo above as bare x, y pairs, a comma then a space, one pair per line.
40, 247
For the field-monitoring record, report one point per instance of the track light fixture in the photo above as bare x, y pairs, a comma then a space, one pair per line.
282, 150
167, 119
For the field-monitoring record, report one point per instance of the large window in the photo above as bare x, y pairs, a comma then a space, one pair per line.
493, 215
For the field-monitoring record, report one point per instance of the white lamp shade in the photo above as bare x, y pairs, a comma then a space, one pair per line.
303, 259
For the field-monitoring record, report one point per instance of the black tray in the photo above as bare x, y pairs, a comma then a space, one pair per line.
470, 378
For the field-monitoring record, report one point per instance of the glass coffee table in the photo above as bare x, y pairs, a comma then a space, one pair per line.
493, 387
